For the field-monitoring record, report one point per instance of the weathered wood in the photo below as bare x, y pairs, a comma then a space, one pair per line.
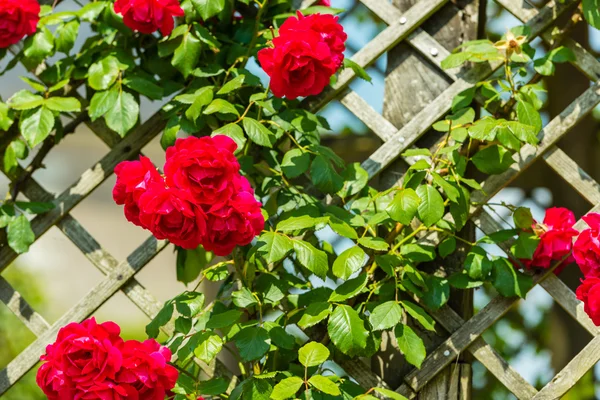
21, 308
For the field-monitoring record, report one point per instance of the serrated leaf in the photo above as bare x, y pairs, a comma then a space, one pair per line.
313, 259
273, 246
377, 244
349, 289
385, 316
349, 262
447, 247
221, 106
16, 150
186, 54
591, 12
342, 228
419, 314
202, 98
528, 115
431, 207
355, 179
508, 281
66, 35
295, 163
189, 304
257, 132
124, 115
324, 177
102, 102
224, 319
410, 344
144, 86
389, 393
252, 343
35, 207
493, 160
63, 104
525, 245
234, 132
358, 70
232, 85
208, 8
313, 354
19, 233
24, 100
36, 125
404, 206
347, 331
162, 318
287, 388
293, 224
324, 385
243, 298
103, 73
208, 347
314, 313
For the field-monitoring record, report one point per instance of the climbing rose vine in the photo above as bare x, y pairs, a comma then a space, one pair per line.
253, 202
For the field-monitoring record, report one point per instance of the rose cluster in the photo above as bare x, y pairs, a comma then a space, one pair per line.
307, 53
18, 18
201, 200
149, 16
90, 361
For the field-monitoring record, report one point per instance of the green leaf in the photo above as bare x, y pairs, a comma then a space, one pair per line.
103, 73
295, 163
451, 191
186, 55
418, 252
273, 246
234, 132
252, 343
437, 293
6, 117
342, 228
528, 115
287, 388
324, 385
404, 206
257, 132
40, 46
508, 281
189, 304
36, 125
162, 318
224, 319
313, 354
202, 98
35, 207
349, 289
16, 150
477, 264
447, 247
63, 104
377, 244
208, 8
314, 313
349, 262
232, 85
525, 245
454, 60
102, 102
34, 84
358, 70
144, 86
355, 179
523, 218
347, 331
385, 316
20, 235
463, 99
293, 224
431, 207
91, 11
217, 272
66, 35
222, 107
209, 345
389, 393
213, 387
411, 345
24, 100
313, 259
591, 12
124, 115
324, 177
493, 160
282, 339
419, 314
243, 298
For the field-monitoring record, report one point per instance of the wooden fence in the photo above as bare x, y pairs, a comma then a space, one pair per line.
462, 336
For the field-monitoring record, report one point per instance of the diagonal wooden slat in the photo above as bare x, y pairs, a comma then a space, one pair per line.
21, 308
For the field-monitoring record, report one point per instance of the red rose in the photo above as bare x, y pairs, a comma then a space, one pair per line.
556, 239
586, 249
145, 368
203, 166
235, 223
133, 178
589, 293
299, 65
18, 18
148, 16
326, 25
172, 214
83, 356
326, 3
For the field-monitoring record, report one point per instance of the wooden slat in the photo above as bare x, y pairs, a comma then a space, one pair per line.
19, 306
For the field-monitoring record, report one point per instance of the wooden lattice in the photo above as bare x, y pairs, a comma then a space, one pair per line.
463, 335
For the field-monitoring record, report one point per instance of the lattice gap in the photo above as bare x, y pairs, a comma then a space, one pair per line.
119, 275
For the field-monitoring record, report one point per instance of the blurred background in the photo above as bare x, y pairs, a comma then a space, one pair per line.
537, 337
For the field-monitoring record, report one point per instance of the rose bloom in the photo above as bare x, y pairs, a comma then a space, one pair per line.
556, 239
171, 213
83, 356
587, 247
18, 18
326, 25
203, 166
145, 368
235, 223
589, 293
326, 3
148, 16
133, 178
300, 64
